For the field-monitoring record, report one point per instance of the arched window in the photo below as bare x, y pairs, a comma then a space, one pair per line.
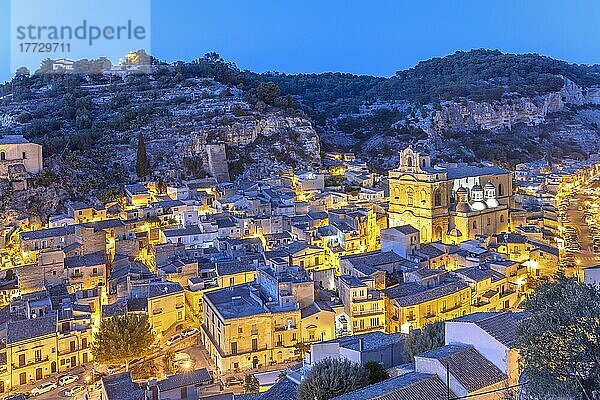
500, 190
438, 233
501, 218
474, 224
423, 163
437, 198
410, 197
409, 161
2, 156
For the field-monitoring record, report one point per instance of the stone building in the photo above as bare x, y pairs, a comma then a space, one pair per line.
18, 160
43, 333
449, 203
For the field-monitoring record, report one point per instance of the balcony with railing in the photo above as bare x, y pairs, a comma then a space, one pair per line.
62, 352
360, 329
280, 328
507, 293
450, 309
367, 313
36, 360
243, 351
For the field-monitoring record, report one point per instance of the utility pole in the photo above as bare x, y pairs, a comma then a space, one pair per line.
448, 379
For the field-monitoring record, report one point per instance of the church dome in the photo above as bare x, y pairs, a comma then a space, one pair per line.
478, 205
477, 193
463, 207
477, 197
490, 195
491, 202
462, 204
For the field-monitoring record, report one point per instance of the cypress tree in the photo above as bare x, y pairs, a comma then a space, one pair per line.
142, 166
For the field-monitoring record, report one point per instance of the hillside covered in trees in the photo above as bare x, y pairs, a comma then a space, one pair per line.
479, 104
468, 106
476, 75
91, 120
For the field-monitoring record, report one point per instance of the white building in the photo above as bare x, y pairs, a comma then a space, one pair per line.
18, 159
591, 275
493, 335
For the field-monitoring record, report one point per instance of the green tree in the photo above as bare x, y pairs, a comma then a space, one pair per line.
251, 384
376, 372
430, 337
330, 378
22, 72
142, 166
10, 275
161, 186
559, 342
168, 360
145, 370
121, 339
268, 92
302, 348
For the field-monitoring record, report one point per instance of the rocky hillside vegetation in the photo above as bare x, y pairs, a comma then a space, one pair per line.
469, 106
89, 125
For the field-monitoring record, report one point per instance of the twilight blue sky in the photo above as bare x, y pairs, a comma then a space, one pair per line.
364, 37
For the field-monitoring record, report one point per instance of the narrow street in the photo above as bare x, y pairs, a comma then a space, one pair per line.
580, 204
188, 345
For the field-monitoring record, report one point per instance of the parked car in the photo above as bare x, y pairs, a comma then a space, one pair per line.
67, 380
173, 339
233, 380
189, 332
74, 390
43, 388
113, 368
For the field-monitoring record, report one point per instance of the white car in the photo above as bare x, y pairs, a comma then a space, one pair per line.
189, 332
43, 388
74, 390
67, 380
173, 339
112, 368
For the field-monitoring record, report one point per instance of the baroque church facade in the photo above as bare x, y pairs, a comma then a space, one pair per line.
449, 203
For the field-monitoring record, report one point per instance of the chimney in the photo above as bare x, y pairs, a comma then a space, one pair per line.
360, 344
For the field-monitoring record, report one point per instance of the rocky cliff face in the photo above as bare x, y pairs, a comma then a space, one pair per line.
281, 142
90, 135
471, 115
